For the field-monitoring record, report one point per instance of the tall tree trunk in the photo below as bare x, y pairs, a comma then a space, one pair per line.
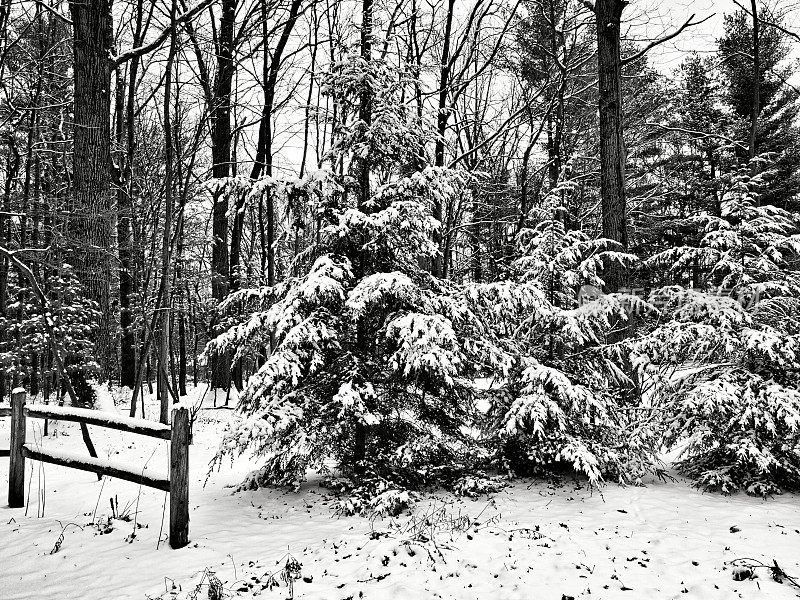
124, 214
751, 150
166, 254
181, 285
221, 157
182, 289
612, 148
365, 102
313, 40
35, 221
91, 214
442, 117
363, 177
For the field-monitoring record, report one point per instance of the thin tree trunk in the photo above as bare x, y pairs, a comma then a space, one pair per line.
442, 117
180, 283
313, 34
751, 150
124, 215
166, 275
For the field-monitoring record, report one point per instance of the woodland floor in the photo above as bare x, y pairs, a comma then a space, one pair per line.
533, 540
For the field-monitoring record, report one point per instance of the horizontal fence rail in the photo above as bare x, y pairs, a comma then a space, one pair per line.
94, 417
176, 483
96, 465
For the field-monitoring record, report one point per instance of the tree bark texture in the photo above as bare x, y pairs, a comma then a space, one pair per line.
612, 147
91, 215
221, 157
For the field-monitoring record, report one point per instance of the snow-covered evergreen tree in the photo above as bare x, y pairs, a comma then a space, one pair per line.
727, 359
369, 351
564, 400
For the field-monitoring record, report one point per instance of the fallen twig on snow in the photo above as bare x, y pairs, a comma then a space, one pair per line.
776, 572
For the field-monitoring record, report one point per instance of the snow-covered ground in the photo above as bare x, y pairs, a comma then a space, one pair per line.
532, 540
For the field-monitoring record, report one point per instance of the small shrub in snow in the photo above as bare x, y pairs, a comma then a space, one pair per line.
390, 503
372, 497
473, 486
742, 432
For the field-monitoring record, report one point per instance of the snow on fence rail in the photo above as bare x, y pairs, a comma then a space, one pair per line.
177, 483
97, 465
103, 419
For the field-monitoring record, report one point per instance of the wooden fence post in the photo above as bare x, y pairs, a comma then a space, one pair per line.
16, 463
179, 479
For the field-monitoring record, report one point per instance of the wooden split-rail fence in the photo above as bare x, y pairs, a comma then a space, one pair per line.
177, 483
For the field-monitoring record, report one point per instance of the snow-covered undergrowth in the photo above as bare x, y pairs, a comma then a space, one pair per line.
532, 539
740, 412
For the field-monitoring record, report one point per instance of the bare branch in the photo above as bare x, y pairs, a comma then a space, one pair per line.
772, 24
142, 50
666, 38
501, 129
53, 11
698, 134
